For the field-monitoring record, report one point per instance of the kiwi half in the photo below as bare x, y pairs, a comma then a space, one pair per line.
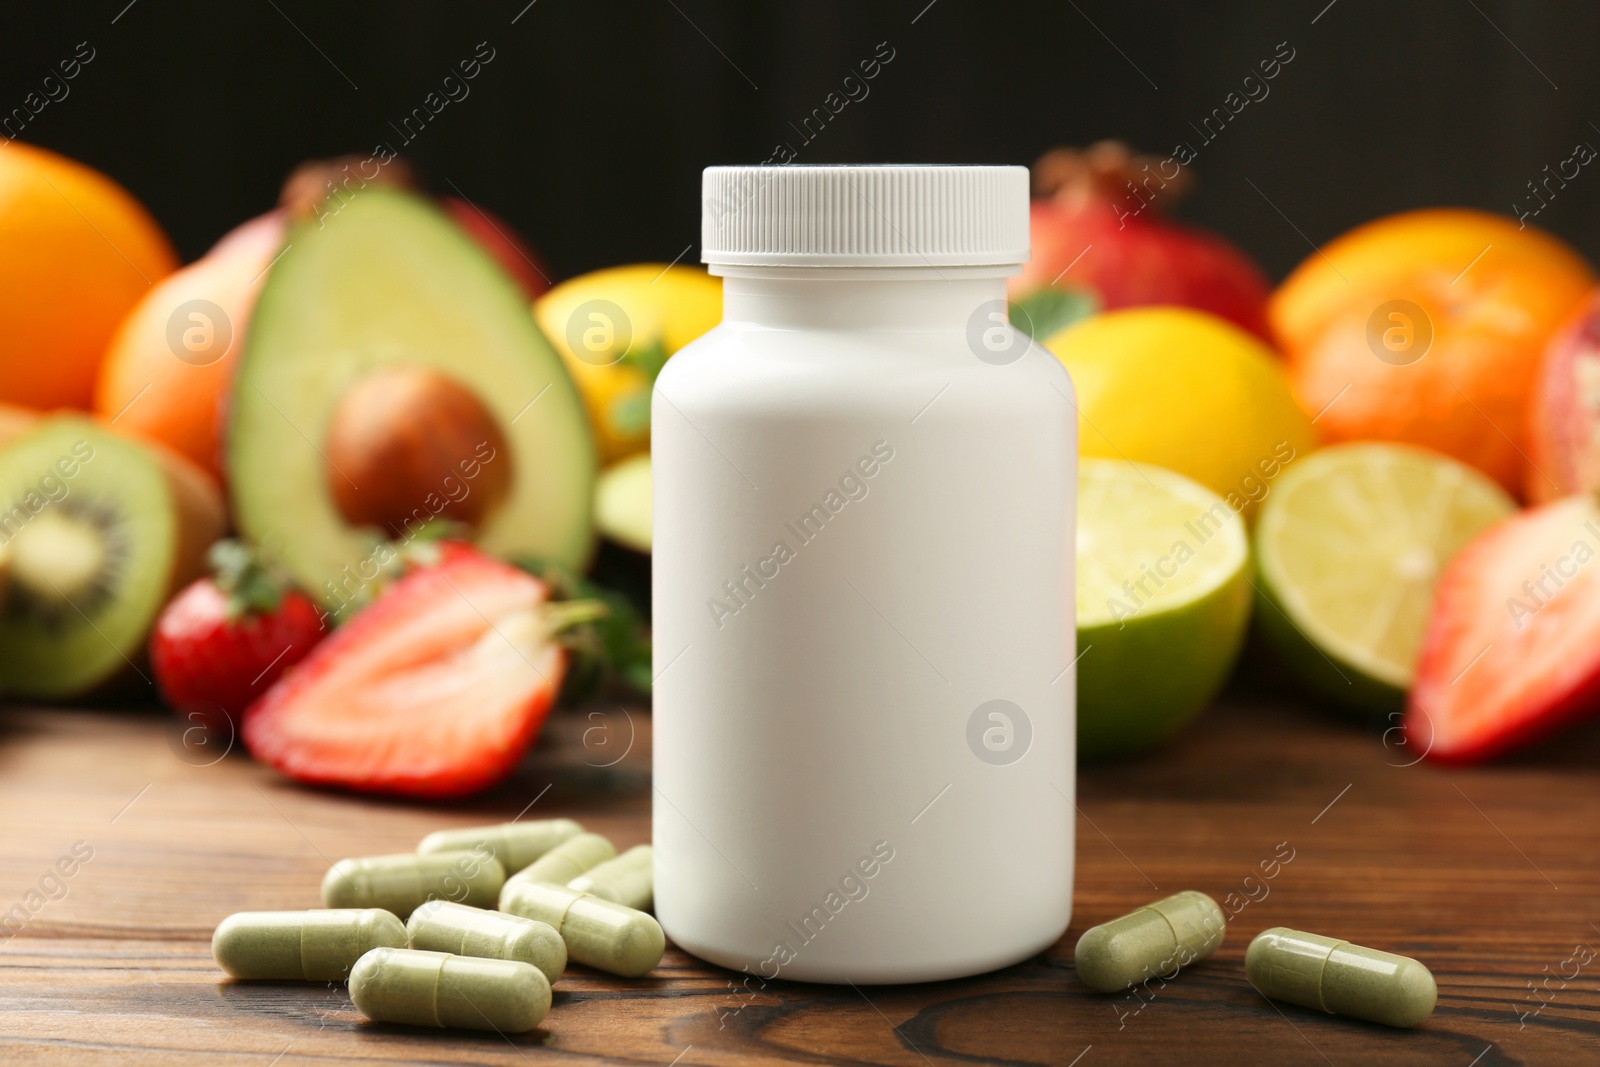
97, 531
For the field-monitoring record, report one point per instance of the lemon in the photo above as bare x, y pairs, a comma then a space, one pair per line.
1187, 391
622, 502
1348, 547
614, 329
1163, 600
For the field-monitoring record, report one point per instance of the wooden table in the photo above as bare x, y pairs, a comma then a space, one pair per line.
1489, 875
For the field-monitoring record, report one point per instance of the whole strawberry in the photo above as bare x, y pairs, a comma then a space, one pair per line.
224, 640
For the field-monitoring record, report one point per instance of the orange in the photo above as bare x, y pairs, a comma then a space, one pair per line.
1427, 327
76, 252
169, 367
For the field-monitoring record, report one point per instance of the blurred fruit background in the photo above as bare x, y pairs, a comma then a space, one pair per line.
314, 323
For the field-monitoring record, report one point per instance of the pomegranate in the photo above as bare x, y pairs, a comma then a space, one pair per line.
1097, 229
1564, 417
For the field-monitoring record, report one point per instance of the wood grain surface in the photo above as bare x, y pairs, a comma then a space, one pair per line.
1489, 875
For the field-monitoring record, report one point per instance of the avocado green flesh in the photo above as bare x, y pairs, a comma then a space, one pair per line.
388, 279
56, 650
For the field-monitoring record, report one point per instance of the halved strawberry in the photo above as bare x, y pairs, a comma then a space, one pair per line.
1513, 646
435, 689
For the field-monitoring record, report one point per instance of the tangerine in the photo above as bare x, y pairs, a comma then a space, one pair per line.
1427, 327
169, 367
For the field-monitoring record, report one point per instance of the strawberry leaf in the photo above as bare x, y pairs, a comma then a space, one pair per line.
608, 640
252, 586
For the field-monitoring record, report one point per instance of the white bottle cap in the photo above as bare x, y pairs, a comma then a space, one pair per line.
880, 216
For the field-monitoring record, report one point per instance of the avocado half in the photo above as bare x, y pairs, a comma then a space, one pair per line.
388, 280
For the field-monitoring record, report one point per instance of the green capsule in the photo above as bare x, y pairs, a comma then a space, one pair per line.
405, 985
442, 926
1340, 978
1152, 941
628, 880
400, 882
514, 844
316, 946
567, 860
599, 933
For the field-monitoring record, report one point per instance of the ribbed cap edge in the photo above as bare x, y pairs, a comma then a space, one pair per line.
854, 216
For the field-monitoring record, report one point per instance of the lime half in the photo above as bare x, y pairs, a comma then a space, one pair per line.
1163, 602
1348, 546
622, 502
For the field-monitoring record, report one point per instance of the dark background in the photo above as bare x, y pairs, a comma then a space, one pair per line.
590, 125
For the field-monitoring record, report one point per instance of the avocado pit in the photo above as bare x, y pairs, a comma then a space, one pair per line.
407, 444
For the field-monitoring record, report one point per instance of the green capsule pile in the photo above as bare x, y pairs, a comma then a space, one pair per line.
416, 936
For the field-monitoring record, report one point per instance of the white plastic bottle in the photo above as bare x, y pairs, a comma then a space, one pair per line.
864, 485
